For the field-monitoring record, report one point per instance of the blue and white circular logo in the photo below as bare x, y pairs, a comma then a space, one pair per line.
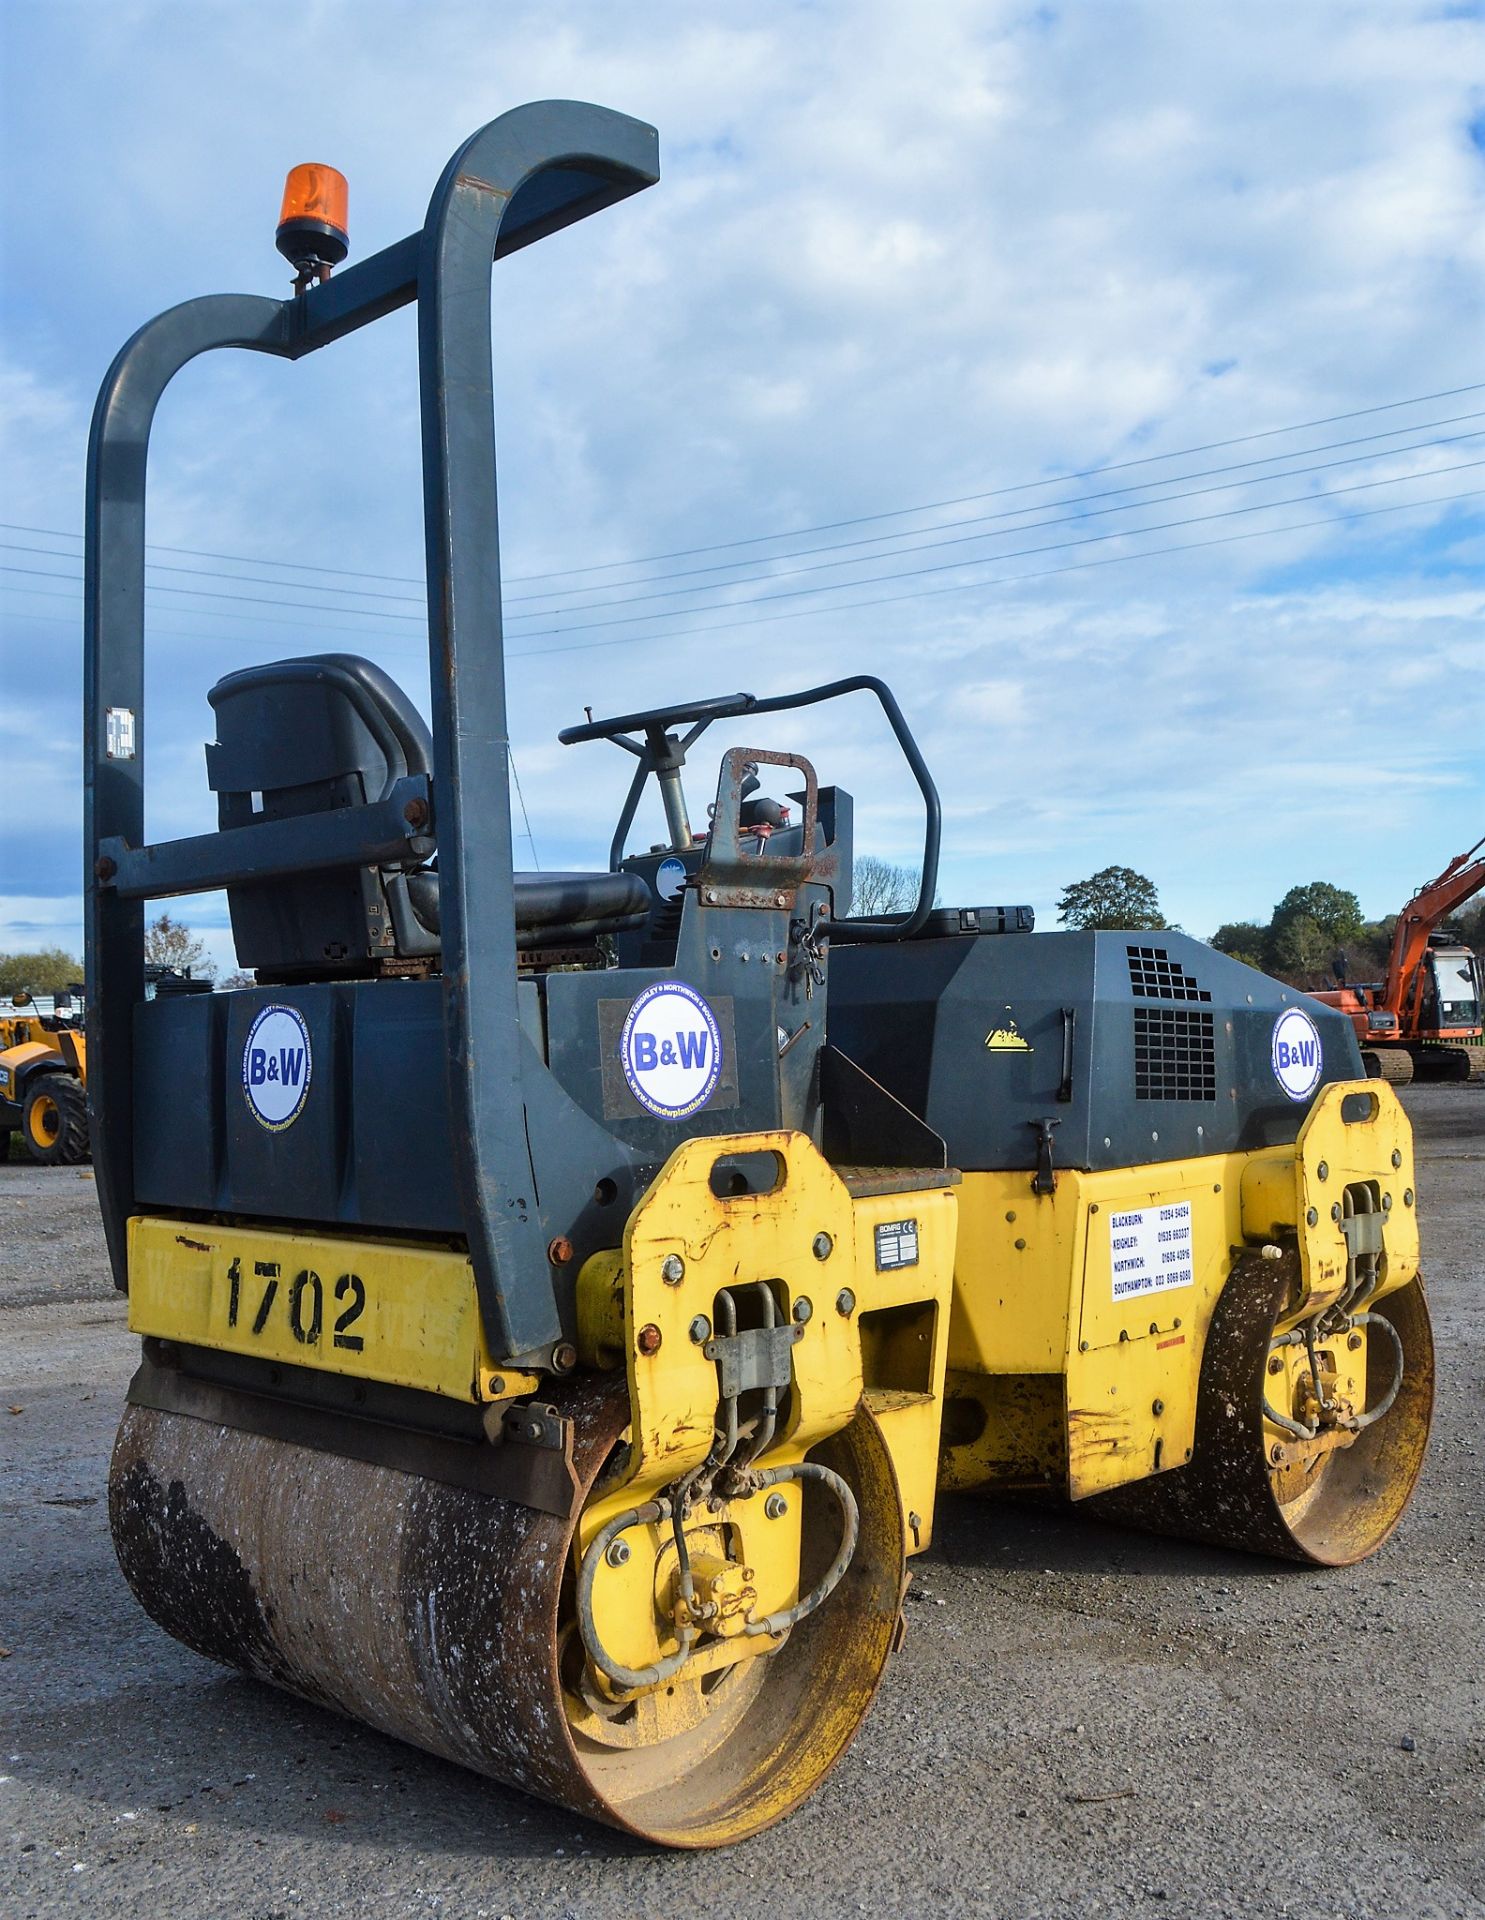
670, 877
275, 1067
671, 1050
1296, 1053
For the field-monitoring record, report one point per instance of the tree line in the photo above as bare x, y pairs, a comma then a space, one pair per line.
1316, 933
1312, 928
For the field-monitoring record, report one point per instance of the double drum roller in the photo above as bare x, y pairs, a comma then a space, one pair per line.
563, 1296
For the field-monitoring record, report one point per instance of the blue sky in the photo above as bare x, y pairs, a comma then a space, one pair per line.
897, 256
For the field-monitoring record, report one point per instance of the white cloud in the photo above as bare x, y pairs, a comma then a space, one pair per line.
897, 255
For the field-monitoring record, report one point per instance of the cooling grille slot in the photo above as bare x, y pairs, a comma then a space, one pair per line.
1153, 975
1175, 1054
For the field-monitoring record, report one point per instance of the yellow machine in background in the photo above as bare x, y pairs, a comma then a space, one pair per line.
43, 1078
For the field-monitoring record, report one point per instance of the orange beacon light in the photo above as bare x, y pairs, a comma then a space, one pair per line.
312, 232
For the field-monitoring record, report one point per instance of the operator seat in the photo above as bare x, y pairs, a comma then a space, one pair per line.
330, 731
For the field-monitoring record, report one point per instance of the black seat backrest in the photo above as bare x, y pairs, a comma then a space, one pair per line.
303, 735
309, 736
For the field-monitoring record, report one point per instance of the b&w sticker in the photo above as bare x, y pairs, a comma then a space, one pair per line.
670, 877
1296, 1053
671, 1050
276, 1066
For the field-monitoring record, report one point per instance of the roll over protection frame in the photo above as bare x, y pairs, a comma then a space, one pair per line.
527, 174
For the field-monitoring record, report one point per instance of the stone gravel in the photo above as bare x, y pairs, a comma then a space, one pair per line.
1082, 1721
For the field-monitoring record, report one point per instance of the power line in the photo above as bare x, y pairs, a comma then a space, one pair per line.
1029, 526
1054, 546
1053, 520
1076, 500
831, 526
922, 593
530, 836
839, 546
845, 586
1011, 579
214, 573
205, 593
1087, 473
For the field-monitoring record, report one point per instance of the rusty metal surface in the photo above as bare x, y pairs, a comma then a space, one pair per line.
436, 1614
733, 876
539, 1475
1228, 1494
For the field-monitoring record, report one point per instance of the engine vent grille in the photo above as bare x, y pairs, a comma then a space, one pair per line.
1175, 1054
1153, 975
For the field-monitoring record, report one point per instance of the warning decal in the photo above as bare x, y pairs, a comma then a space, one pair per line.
1150, 1250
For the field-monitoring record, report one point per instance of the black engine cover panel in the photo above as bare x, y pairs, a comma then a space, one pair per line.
1171, 1052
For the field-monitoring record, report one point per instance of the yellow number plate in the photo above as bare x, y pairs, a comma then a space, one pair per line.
401, 1314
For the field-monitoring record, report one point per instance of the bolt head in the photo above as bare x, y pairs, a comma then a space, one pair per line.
564, 1357
618, 1554
559, 1252
672, 1269
1275, 1364
803, 1309
845, 1303
1335, 1211
701, 1330
822, 1246
497, 1384
1407, 1196
1157, 1406
1322, 1172
1353, 1341
776, 1506
1397, 1156
1386, 1203
1312, 1218
648, 1339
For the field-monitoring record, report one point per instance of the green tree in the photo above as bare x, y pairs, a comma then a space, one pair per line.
47, 971
1114, 899
1469, 924
1242, 940
171, 943
1300, 949
1335, 910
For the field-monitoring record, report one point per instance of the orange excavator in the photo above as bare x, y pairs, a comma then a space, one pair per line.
1424, 1018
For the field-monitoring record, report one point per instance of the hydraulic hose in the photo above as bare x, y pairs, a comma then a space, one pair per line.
1298, 1336
628, 1678
787, 1617
652, 1513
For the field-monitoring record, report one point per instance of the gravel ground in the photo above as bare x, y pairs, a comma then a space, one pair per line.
1082, 1721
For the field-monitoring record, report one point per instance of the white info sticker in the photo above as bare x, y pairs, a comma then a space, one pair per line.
1150, 1250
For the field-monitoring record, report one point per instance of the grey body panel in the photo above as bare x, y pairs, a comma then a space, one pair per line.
917, 1018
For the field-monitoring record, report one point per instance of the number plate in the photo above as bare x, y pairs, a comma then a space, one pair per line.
405, 1315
